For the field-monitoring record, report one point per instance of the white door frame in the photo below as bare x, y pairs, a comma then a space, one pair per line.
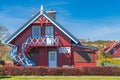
52, 59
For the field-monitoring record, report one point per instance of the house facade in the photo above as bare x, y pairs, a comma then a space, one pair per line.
113, 50
42, 41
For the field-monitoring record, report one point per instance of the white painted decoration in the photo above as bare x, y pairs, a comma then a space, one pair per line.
64, 50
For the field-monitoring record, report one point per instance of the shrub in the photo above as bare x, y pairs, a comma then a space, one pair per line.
55, 71
14, 70
102, 71
2, 62
73, 71
42, 71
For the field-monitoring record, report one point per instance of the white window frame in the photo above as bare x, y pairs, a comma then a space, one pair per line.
64, 49
36, 26
52, 32
49, 39
52, 63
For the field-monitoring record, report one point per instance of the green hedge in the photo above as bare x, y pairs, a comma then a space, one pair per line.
43, 71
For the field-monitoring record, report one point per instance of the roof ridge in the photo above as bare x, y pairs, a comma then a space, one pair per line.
19, 28
26, 24
110, 48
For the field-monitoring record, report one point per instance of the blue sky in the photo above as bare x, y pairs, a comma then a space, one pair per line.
93, 19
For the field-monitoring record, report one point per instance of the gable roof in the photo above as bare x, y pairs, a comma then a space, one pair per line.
42, 12
111, 47
89, 47
85, 46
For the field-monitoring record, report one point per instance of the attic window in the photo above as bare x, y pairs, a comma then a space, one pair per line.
49, 32
36, 31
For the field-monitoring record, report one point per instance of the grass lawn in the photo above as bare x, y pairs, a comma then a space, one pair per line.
60, 78
108, 64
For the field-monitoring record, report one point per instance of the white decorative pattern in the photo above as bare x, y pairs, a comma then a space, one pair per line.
64, 50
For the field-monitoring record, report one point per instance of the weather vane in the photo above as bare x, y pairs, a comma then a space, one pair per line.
34, 11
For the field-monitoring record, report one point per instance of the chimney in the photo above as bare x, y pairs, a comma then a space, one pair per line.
52, 14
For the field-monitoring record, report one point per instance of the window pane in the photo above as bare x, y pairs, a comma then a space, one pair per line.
84, 56
36, 30
52, 57
49, 31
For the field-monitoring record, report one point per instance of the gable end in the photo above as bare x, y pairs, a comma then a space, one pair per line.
66, 32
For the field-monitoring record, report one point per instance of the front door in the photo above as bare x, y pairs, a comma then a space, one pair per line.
52, 61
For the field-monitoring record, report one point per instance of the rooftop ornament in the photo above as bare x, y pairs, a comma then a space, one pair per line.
41, 9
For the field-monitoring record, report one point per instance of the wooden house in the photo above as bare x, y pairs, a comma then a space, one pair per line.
113, 50
42, 41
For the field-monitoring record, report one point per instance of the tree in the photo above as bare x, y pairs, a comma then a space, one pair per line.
3, 50
4, 33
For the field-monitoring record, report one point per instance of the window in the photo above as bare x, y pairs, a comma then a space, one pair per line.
114, 50
49, 31
52, 56
84, 56
49, 34
36, 31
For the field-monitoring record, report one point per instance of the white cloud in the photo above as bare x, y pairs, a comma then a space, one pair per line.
104, 30
96, 29
12, 23
13, 17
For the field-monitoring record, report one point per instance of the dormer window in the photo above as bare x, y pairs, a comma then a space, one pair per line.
36, 31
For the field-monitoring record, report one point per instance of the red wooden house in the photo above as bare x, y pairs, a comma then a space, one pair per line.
42, 41
113, 50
